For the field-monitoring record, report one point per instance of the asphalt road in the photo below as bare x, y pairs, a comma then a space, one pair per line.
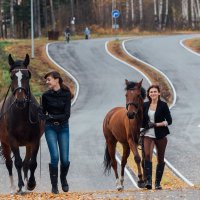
183, 69
102, 82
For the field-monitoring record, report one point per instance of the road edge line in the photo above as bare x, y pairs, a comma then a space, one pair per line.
68, 73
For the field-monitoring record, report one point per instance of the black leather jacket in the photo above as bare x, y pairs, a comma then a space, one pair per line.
56, 105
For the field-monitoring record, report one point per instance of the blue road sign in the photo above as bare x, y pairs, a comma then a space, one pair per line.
115, 13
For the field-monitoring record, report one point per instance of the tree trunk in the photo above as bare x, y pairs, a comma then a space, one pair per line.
38, 18
160, 13
192, 15
44, 6
185, 15
141, 13
52, 16
155, 14
132, 13
166, 14
127, 12
12, 19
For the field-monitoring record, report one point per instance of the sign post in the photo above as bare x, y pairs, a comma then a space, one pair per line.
115, 15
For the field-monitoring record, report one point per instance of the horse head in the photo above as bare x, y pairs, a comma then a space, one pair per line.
134, 98
20, 76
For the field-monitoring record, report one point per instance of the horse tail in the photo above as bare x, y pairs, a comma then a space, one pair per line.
107, 161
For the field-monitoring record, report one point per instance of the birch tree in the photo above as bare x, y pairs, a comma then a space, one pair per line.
141, 13
185, 15
12, 18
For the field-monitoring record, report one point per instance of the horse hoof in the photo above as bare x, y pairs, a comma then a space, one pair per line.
141, 184
31, 185
120, 188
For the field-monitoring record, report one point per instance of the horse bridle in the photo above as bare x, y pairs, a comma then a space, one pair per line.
136, 105
27, 91
26, 100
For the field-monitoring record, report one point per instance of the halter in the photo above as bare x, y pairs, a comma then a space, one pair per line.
27, 91
16, 101
136, 105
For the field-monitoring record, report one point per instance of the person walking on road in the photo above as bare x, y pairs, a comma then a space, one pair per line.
56, 105
67, 33
156, 118
87, 33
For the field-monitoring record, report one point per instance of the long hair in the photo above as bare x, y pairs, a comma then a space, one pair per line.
56, 75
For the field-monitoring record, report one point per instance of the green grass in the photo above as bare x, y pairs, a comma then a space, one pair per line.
4, 67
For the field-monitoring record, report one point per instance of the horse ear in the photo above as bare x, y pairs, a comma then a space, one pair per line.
10, 60
140, 83
26, 60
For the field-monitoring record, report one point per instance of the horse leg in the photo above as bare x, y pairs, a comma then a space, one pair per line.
133, 147
111, 150
18, 165
26, 165
126, 153
33, 165
6, 151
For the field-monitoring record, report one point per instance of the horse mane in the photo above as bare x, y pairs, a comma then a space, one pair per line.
132, 84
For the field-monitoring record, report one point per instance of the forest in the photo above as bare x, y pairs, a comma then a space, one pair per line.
55, 15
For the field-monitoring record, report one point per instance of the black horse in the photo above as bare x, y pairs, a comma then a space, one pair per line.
20, 125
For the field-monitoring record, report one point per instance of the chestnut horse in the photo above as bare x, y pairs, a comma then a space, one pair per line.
123, 125
20, 125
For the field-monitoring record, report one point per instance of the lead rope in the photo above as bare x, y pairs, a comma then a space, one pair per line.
40, 159
40, 148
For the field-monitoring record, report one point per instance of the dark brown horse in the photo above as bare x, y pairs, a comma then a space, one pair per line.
19, 124
123, 125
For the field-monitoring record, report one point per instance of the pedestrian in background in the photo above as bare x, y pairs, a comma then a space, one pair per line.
56, 105
156, 118
87, 33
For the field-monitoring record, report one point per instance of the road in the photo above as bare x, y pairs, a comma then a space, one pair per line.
101, 80
182, 68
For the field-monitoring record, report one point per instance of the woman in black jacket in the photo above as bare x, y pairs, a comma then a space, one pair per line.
56, 105
156, 118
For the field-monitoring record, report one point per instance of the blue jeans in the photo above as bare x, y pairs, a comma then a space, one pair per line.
57, 136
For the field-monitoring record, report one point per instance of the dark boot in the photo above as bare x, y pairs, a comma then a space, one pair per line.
63, 177
54, 178
148, 172
159, 174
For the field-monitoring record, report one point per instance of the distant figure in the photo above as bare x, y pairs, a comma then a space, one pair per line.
67, 34
87, 33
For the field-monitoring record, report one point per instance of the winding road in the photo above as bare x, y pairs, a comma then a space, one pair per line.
101, 87
182, 67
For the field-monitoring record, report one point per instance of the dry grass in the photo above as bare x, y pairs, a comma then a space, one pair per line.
39, 66
193, 44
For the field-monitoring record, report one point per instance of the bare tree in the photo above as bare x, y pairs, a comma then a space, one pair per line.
166, 14
141, 13
52, 16
185, 14
12, 18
